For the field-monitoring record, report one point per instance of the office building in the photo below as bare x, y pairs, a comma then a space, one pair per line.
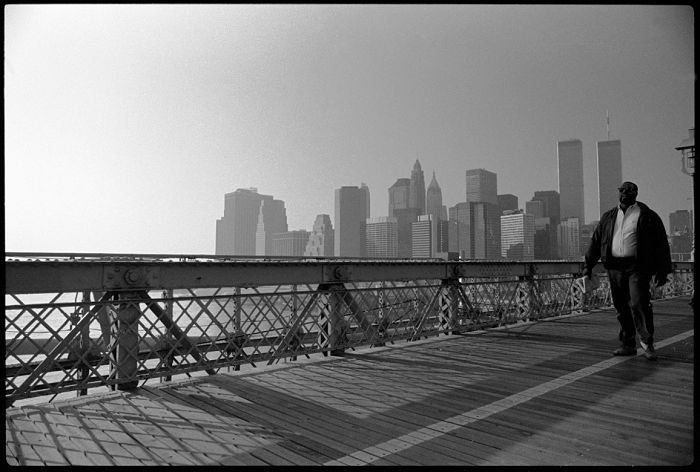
459, 238
236, 231
507, 202
405, 217
438, 211
417, 189
433, 200
482, 186
569, 239
272, 219
399, 195
422, 236
570, 172
585, 234
351, 213
382, 237
322, 238
550, 200
543, 239
551, 206
535, 208
485, 230
518, 236
609, 174
290, 243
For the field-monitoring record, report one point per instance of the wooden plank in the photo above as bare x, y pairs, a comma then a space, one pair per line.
512, 436
291, 446
541, 421
383, 418
200, 437
328, 430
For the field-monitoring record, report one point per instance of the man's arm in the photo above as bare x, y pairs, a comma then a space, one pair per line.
593, 252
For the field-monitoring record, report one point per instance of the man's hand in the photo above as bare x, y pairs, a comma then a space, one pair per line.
660, 280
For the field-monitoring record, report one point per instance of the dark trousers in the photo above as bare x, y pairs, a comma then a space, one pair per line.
629, 288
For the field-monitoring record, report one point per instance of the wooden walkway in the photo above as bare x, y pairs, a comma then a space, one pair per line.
546, 393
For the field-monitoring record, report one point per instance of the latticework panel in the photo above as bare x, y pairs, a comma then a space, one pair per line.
75, 341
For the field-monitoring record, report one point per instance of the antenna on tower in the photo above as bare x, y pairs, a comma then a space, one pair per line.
607, 123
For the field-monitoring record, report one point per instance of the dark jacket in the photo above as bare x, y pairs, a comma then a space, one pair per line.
653, 254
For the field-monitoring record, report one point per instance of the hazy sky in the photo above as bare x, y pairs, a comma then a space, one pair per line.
125, 125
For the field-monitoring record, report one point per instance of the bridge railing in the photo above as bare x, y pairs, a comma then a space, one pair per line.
75, 322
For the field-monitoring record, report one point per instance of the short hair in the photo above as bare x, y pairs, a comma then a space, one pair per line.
626, 185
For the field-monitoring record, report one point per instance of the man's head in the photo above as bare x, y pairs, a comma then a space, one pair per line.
628, 193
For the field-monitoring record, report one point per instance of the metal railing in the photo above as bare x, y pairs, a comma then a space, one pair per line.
75, 322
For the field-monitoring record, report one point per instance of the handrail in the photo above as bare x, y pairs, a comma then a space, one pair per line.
79, 321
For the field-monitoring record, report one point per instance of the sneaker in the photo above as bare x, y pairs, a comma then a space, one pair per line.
625, 351
649, 351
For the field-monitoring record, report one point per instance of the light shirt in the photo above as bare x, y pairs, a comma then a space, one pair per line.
624, 242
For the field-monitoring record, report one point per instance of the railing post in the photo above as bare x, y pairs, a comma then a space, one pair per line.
331, 323
85, 345
337, 322
128, 315
449, 306
381, 319
168, 340
446, 307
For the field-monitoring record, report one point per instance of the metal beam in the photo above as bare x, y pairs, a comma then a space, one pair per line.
45, 276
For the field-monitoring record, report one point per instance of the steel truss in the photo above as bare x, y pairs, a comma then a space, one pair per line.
79, 322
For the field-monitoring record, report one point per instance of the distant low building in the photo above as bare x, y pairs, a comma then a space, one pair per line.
290, 243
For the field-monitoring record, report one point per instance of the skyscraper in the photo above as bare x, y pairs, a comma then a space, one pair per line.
437, 210
404, 218
351, 213
485, 214
322, 238
609, 174
535, 208
543, 239
482, 186
570, 171
417, 189
569, 239
236, 230
272, 219
422, 235
460, 234
507, 201
518, 236
399, 195
433, 199
550, 204
485, 230
382, 237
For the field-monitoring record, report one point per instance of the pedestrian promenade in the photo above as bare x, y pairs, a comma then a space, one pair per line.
544, 393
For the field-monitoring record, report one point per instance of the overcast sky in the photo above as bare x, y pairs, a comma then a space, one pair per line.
125, 125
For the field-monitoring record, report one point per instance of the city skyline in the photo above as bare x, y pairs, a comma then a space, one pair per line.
125, 124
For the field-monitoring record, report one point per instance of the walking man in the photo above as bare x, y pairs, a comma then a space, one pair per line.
630, 241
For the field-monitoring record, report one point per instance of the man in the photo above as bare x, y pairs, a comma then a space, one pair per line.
630, 241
